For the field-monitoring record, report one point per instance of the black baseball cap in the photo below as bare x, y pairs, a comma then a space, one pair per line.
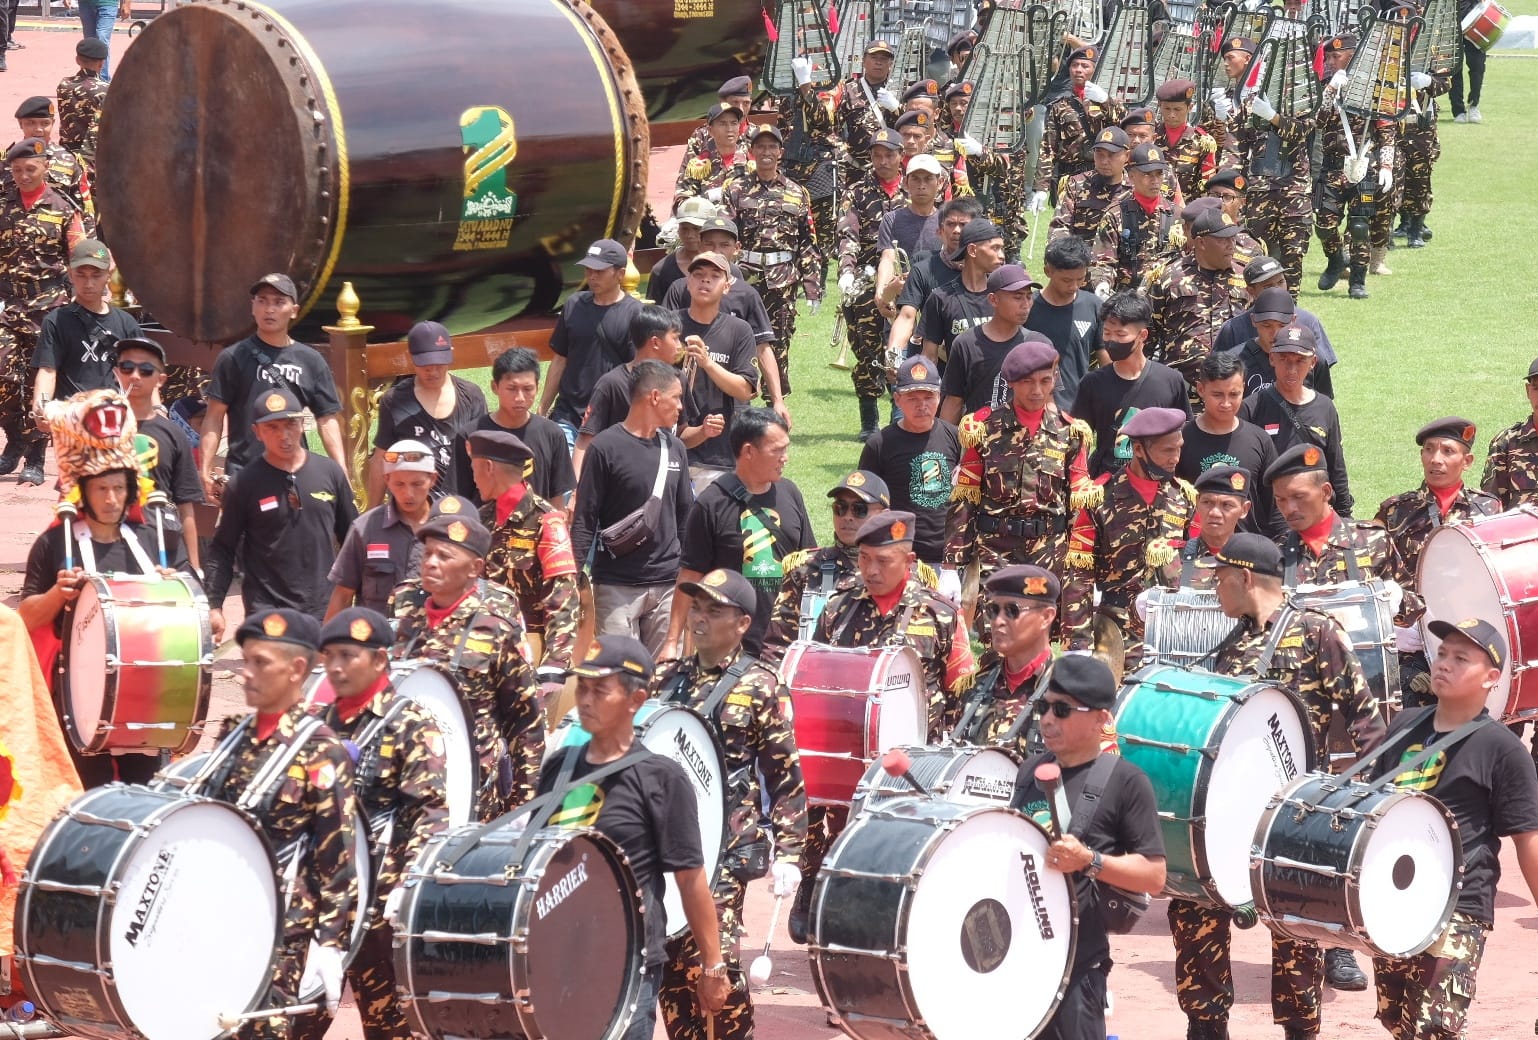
866, 486
277, 403
724, 586
603, 254
430, 344
141, 343
917, 373
279, 281
616, 655
1275, 304
1481, 633
978, 229
1251, 552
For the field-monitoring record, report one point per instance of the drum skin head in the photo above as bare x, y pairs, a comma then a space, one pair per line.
1460, 577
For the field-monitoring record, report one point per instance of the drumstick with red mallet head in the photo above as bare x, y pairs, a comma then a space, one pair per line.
897, 763
66, 512
1049, 777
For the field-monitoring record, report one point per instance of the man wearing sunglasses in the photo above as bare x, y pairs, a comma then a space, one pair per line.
141, 372
1022, 604
1113, 839
381, 548
1308, 652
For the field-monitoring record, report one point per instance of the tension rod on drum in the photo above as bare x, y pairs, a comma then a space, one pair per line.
228, 1020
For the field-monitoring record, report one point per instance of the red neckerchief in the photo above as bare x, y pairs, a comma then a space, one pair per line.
1174, 136
508, 501
1145, 488
891, 187
30, 199
1030, 420
1014, 680
1149, 205
437, 616
1316, 536
1078, 92
1447, 496
267, 723
884, 604
349, 708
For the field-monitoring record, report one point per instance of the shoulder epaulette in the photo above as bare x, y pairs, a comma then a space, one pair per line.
974, 427
796, 559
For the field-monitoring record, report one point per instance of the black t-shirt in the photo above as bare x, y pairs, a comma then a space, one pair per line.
46, 558
402, 417
731, 346
906, 230
610, 403
1074, 330
930, 272
918, 469
1106, 401
1126, 823
663, 276
592, 339
951, 311
249, 370
552, 476
1486, 781
972, 371
648, 809
724, 532
1280, 421
617, 477
1247, 446
285, 529
741, 301
1259, 373
78, 345
174, 472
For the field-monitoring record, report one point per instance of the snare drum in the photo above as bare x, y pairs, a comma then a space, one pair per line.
490, 947
681, 734
851, 704
1373, 868
1487, 567
965, 775
928, 917
149, 914
1183, 626
1364, 610
1216, 750
1485, 24
136, 667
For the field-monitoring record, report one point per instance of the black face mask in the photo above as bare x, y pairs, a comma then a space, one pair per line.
1119, 351
1154, 470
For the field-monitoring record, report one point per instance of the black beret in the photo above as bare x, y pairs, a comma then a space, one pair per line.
26, 148
91, 50
359, 626
923, 88
616, 655
865, 485
1300, 458
1086, 679
964, 40
1154, 422
1177, 90
500, 446
735, 87
1086, 53
1224, 480
1230, 177
465, 531
1239, 43
35, 108
1452, 427
956, 90
724, 586
914, 118
284, 625
1341, 42
893, 527
1027, 358
1252, 552
1024, 581
1137, 117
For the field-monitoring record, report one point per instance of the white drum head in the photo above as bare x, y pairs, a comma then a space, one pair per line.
680, 734
1407, 873
317, 689
197, 910
902, 701
431, 689
1262, 751
1456, 582
987, 777
87, 683
989, 927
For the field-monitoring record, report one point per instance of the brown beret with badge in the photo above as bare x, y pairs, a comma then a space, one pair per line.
1177, 90
1451, 428
1223, 480
893, 527
1300, 458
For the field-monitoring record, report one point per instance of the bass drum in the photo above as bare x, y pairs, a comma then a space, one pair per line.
496, 938
929, 917
147, 914
965, 775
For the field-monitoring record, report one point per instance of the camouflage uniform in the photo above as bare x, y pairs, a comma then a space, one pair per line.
1121, 546
80, 100
779, 249
856, 118
1072, 124
705, 171
1313, 658
1511, 465
700, 143
1335, 195
1277, 210
1192, 159
481, 642
813, 159
1016, 493
957, 180
1420, 148
863, 207
808, 568
399, 776
1354, 550
67, 176
1427, 997
1190, 305
996, 707
34, 279
1083, 201
531, 555
314, 802
753, 722
1129, 241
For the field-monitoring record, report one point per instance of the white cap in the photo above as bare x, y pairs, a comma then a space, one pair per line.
410, 457
695, 210
925, 162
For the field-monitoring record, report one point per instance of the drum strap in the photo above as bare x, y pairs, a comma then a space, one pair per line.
1087, 805
829, 578
540, 810
88, 551
724, 685
899, 636
1188, 554
1292, 552
1401, 740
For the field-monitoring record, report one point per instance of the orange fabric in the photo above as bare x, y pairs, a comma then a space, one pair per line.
43, 771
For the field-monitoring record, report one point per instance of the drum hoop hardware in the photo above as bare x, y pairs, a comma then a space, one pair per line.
1185, 749
441, 996
1210, 695
44, 960
116, 823
59, 886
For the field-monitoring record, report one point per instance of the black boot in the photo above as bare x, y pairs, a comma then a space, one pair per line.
9, 461
1424, 230
1200, 1029
1341, 971
1415, 238
32, 468
1294, 1033
1335, 267
1358, 290
800, 922
870, 415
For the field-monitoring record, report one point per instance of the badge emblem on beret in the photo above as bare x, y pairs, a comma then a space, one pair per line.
360, 629
274, 403
1468, 432
1153, 155
1239, 183
1089, 52
923, 118
714, 578
856, 479
1035, 586
449, 505
917, 372
274, 625
1237, 481
458, 532
966, 88
1311, 456
899, 529
593, 651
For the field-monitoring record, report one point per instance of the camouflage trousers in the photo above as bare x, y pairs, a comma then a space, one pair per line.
1049, 553
20, 326
372, 977
1428, 997
867, 341
1333, 204
182, 381
781, 307
824, 823
681, 1014
1204, 978
1420, 149
1281, 218
287, 973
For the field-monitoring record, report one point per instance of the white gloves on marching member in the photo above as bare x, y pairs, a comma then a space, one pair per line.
950, 584
1386, 177
1222, 104
846, 282
813, 306
969, 145
1408, 640
1103, 290
1339, 80
1260, 108
324, 968
783, 878
1356, 168
1037, 203
886, 99
1420, 81
801, 68
714, 195
1096, 93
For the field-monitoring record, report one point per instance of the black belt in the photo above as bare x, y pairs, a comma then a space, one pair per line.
1026, 527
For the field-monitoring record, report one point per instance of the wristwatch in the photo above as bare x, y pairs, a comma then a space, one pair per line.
1096, 862
716, 972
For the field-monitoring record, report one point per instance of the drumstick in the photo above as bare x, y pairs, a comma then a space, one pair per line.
159, 499
1049, 777
66, 512
231, 1020
762, 966
897, 762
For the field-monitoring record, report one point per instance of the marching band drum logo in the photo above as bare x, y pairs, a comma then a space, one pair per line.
490, 204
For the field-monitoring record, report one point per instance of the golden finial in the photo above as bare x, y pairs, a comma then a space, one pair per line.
348, 305
631, 280
118, 288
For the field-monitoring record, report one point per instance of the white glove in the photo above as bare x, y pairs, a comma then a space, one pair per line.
813, 306
801, 68
846, 282
783, 878
1222, 105
969, 145
667, 234
714, 195
1037, 203
1095, 92
1420, 81
886, 99
950, 584
1339, 80
1103, 290
1141, 603
1409, 640
324, 968
1394, 593
1261, 109
1356, 168
1386, 178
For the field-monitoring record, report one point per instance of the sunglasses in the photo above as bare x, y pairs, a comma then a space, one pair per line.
859, 510
392, 457
1060, 709
1010, 610
144, 368
294, 502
